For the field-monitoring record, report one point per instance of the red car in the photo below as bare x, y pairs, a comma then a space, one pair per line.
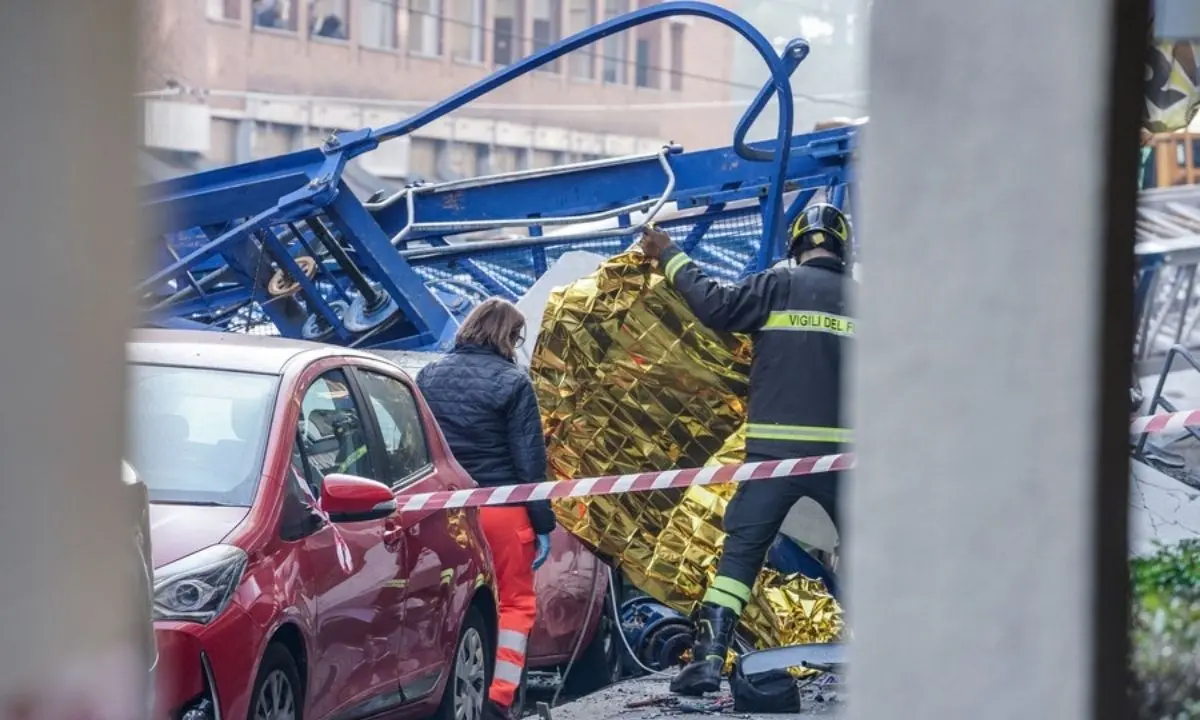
286, 584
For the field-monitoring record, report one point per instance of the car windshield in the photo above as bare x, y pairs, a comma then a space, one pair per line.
197, 436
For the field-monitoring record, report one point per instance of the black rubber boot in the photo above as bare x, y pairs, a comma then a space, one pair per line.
714, 631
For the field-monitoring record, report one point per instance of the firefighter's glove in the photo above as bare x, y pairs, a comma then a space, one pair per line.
654, 242
542, 546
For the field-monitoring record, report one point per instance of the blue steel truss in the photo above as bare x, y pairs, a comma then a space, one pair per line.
283, 246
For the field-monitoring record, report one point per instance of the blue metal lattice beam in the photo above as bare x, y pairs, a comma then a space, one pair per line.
245, 211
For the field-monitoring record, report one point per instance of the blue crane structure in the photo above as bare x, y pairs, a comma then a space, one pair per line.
283, 246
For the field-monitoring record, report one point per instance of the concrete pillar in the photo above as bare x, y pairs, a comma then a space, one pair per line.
987, 528
67, 604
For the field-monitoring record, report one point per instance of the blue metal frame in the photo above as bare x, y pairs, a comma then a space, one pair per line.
227, 231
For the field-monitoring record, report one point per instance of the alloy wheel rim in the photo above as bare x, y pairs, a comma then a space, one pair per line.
276, 699
469, 677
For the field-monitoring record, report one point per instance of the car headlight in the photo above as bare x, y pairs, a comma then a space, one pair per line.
198, 587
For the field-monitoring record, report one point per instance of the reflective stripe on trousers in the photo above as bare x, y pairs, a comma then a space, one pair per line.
510, 538
799, 433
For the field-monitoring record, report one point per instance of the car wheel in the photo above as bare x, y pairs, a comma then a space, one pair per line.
470, 673
276, 693
599, 665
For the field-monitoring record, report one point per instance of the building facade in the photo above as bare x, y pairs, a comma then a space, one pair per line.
227, 81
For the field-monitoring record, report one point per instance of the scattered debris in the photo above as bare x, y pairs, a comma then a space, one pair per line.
646, 698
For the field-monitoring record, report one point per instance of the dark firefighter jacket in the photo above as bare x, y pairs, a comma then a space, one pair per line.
798, 321
488, 413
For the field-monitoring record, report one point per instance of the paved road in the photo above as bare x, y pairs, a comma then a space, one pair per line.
610, 703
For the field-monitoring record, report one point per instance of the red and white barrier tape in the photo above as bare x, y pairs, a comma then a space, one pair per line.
718, 475
1165, 423
634, 482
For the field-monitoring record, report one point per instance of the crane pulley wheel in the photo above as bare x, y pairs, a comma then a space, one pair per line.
282, 284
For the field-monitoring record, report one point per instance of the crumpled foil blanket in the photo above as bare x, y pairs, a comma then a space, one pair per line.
629, 381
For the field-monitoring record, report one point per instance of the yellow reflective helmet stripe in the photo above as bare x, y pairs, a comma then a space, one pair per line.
677, 261
798, 433
809, 321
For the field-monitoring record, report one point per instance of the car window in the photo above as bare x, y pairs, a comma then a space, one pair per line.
399, 424
331, 431
198, 435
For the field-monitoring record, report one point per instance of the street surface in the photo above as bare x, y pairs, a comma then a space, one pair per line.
1162, 508
610, 703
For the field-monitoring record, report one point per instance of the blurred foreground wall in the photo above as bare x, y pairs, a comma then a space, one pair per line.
67, 231
987, 535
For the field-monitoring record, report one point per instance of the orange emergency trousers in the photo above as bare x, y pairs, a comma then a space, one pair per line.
511, 539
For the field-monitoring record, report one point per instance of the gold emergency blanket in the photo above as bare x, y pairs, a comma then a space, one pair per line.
629, 381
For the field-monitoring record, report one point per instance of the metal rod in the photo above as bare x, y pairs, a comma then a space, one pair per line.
1144, 343
312, 251
527, 174
794, 54
654, 207
371, 296
1160, 316
1187, 302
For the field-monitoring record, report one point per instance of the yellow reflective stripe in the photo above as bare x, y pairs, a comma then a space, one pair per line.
739, 590
801, 433
677, 261
810, 321
713, 596
354, 457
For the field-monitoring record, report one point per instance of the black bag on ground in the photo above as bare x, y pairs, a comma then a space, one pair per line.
773, 691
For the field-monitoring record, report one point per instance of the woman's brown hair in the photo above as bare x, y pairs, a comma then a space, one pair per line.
495, 324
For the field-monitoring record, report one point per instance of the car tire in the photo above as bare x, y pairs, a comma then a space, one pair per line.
600, 663
277, 690
470, 672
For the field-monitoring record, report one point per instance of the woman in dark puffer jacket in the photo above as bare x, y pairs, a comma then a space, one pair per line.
489, 415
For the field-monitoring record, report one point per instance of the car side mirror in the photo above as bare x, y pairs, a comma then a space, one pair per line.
347, 498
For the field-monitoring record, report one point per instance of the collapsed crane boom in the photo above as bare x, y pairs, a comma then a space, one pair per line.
283, 246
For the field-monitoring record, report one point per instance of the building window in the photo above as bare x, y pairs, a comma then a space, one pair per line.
380, 27
643, 73
276, 14
647, 49
542, 159
616, 56
582, 62
225, 9
677, 57
466, 30
457, 160
547, 27
329, 19
504, 159
425, 27
506, 32
423, 159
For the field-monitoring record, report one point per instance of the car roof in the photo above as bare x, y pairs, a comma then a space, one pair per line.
221, 350
410, 361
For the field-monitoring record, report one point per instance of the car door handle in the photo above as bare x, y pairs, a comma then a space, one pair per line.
393, 537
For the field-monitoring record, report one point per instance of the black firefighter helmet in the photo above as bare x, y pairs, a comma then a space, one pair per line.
820, 226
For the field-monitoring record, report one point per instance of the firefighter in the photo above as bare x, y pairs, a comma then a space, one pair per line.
797, 317
488, 412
